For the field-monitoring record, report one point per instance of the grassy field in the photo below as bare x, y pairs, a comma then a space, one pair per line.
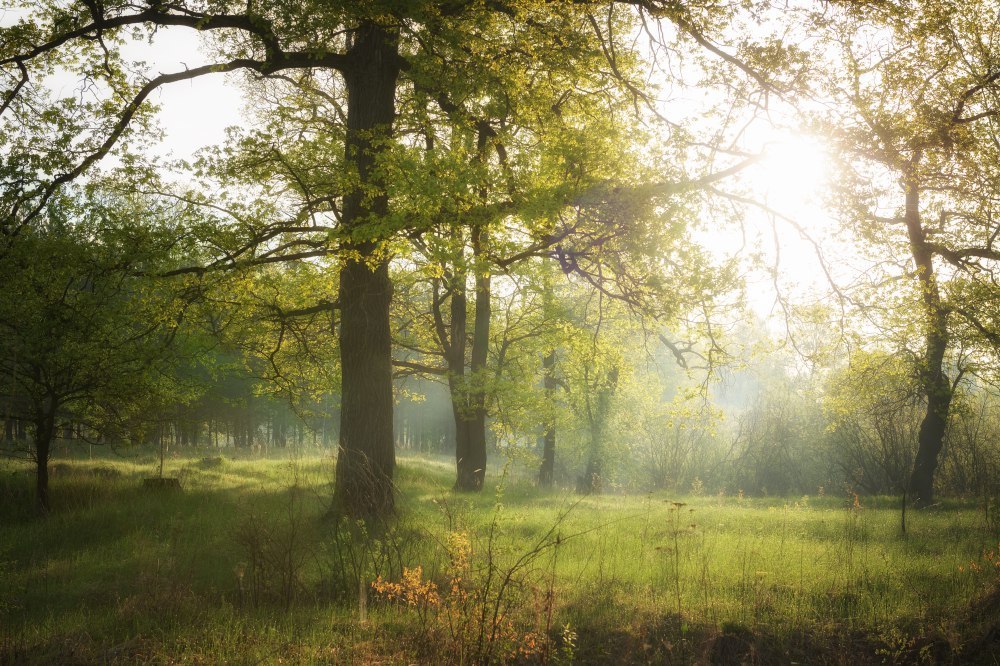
247, 564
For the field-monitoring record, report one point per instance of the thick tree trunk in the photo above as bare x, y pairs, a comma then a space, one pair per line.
934, 382
367, 457
938, 391
592, 481
930, 440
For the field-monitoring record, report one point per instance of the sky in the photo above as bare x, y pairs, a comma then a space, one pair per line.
194, 113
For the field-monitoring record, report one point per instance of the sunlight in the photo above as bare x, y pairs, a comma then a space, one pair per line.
499, 332
793, 175
789, 223
791, 182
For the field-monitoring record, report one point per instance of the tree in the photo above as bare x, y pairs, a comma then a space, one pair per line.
362, 47
85, 338
874, 409
915, 104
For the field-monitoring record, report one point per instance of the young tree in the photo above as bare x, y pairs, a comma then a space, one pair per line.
85, 338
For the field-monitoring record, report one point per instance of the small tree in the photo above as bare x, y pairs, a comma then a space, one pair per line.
874, 409
84, 335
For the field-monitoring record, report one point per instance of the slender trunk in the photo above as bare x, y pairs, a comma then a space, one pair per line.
547, 470
45, 417
472, 466
934, 382
367, 457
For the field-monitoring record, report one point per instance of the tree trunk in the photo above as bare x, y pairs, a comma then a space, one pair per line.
547, 471
934, 382
592, 481
458, 389
367, 457
938, 390
45, 417
472, 466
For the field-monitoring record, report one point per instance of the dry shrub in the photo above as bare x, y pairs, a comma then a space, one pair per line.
275, 549
481, 611
159, 597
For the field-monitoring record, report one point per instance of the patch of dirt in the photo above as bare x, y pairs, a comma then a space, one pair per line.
210, 462
166, 483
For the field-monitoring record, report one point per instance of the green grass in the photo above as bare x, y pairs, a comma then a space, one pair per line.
245, 565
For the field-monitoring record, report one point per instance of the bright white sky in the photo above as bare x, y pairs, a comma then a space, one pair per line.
792, 180
194, 113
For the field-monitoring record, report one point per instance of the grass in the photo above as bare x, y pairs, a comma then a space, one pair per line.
246, 566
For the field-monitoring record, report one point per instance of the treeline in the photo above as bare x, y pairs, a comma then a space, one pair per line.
762, 429
233, 415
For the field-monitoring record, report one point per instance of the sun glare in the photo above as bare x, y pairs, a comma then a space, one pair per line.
794, 224
792, 175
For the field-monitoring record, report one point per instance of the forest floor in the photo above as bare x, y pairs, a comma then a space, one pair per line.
245, 564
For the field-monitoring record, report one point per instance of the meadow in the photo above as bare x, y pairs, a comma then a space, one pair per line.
248, 564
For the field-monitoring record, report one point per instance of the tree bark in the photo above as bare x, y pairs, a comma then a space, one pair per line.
457, 380
367, 458
472, 465
592, 481
934, 381
547, 470
45, 417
